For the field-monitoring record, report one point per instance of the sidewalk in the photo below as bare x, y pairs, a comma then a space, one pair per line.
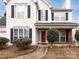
35, 55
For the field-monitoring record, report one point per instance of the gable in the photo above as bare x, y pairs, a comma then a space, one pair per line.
43, 5
43, 2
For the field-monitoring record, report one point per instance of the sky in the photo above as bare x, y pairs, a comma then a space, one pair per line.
2, 8
55, 3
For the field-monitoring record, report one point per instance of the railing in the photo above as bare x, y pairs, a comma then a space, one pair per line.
60, 19
55, 19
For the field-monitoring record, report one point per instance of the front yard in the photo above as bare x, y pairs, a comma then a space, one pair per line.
12, 51
62, 53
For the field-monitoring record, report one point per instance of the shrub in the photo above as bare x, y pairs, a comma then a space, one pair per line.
23, 43
52, 35
3, 42
77, 35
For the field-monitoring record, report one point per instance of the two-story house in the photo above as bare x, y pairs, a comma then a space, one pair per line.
33, 18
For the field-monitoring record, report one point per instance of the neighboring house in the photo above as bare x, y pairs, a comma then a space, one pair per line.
77, 21
0, 16
32, 18
3, 26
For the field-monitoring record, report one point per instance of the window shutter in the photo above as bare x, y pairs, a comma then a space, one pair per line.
29, 11
66, 16
52, 16
67, 35
30, 33
11, 35
12, 11
46, 13
39, 15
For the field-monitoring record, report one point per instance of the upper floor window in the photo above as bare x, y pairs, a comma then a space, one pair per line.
60, 16
20, 11
43, 15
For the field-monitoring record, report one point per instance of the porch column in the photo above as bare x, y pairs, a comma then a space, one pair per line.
70, 36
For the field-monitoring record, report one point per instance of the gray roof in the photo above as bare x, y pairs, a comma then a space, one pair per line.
60, 25
3, 21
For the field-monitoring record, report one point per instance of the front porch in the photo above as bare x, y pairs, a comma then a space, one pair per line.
65, 36
64, 28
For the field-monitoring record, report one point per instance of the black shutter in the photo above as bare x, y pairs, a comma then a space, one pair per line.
11, 35
12, 11
39, 15
46, 15
29, 11
52, 15
30, 33
66, 16
67, 35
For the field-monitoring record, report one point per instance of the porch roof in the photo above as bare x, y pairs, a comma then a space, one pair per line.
62, 25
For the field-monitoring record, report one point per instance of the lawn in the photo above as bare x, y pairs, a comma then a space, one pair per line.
12, 51
62, 53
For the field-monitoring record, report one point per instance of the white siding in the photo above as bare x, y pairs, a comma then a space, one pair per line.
2, 32
11, 22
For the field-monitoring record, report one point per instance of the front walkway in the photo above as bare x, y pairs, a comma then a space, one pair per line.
35, 55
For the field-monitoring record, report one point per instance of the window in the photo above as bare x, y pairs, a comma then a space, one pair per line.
26, 33
20, 11
21, 33
60, 16
42, 15
62, 36
15, 34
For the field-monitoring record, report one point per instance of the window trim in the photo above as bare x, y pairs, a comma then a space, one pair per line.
23, 34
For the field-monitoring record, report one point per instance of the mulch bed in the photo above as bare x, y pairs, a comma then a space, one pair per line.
12, 51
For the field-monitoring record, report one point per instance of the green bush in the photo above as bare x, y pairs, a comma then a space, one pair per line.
77, 35
23, 43
3, 42
52, 35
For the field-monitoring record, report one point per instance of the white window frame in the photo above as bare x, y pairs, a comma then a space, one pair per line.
19, 34
59, 16
43, 15
62, 36
24, 12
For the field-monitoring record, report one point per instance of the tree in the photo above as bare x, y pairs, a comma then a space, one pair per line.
77, 35
52, 35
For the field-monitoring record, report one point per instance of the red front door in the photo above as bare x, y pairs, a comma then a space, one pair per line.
43, 36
